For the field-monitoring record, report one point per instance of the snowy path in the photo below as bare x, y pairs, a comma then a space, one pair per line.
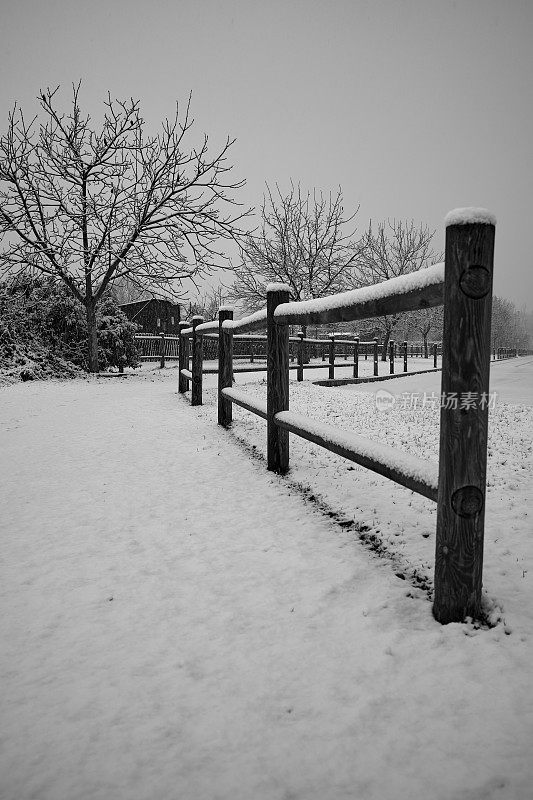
178, 624
511, 379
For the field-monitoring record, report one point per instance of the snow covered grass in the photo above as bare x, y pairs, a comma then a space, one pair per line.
393, 520
180, 623
318, 369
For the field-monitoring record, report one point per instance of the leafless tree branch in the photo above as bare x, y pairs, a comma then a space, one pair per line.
88, 206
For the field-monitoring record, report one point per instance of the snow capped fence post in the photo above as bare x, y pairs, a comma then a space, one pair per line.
225, 366
277, 380
300, 370
331, 369
356, 358
162, 351
197, 362
405, 356
375, 357
463, 425
183, 360
391, 357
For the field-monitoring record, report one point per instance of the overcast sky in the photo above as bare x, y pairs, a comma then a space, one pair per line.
413, 107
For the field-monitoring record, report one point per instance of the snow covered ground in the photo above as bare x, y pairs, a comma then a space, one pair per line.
180, 623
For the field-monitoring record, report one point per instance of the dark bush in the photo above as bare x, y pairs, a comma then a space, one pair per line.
36, 313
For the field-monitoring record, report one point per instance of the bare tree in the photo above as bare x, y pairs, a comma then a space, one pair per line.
208, 303
90, 206
127, 291
387, 251
509, 325
302, 241
426, 320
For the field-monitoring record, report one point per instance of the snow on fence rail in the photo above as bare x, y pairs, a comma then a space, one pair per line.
463, 285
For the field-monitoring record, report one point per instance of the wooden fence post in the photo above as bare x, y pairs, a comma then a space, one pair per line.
463, 426
183, 360
277, 380
391, 357
225, 366
435, 356
162, 351
375, 357
331, 368
405, 356
197, 362
356, 358
300, 370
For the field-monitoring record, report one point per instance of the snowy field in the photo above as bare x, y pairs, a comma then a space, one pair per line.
180, 624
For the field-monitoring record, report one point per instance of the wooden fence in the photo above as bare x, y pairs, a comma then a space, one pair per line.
298, 352
463, 285
162, 348
153, 347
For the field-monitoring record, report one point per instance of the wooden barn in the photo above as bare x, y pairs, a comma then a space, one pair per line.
154, 316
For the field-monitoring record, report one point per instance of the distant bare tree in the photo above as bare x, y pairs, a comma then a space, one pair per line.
426, 320
89, 206
126, 291
302, 241
389, 250
208, 303
509, 325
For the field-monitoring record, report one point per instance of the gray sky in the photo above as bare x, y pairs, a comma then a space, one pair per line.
413, 107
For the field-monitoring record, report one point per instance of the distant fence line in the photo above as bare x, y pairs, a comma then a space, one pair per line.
463, 285
302, 349
163, 348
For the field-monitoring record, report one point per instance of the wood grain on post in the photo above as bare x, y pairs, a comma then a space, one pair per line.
277, 380
463, 425
300, 370
375, 357
356, 359
183, 357
331, 369
197, 362
391, 357
225, 367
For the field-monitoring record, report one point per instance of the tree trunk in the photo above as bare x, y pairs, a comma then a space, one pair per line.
385, 345
307, 347
425, 335
92, 338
